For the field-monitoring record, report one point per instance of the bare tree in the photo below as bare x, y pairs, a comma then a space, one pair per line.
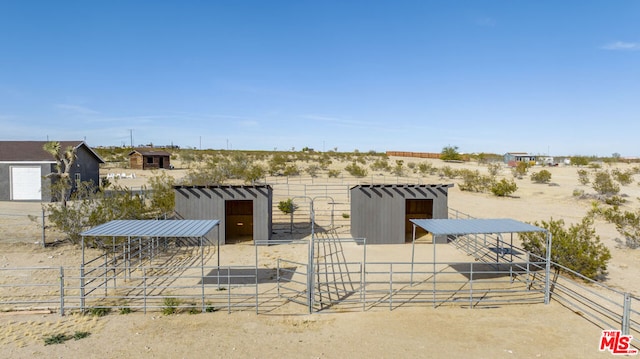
64, 162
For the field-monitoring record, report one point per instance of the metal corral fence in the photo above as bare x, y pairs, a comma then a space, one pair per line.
606, 307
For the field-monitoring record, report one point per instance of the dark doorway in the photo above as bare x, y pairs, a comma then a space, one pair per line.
238, 221
417, 209
161, 163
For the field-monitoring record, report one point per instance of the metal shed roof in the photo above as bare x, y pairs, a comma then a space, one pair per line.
474, 226
153, 228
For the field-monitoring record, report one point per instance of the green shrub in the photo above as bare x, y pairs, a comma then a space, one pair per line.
426, 168
494, 168
287, 206
355, 170
627, 223
577, 248
503, 188
80, 335
623, 177
99, 311
473, 181
380, 164
543, 176
125, 310
603, 184
449, 172
346, 215
170, 305
333, 173
583, 177
450, 153
579, 161
56, 339
521, 168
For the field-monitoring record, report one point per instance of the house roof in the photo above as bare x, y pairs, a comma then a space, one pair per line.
447, 185
149, 152
32, 151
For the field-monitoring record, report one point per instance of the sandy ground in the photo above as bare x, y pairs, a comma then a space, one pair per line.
515, 331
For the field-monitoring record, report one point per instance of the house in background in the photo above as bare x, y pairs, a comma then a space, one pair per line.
149, 159
24, 166
512, 158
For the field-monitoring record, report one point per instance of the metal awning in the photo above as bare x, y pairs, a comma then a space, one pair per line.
153, 228
474, 226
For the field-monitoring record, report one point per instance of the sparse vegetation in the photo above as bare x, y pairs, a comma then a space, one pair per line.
504, 188
603, 184
170, 305
543, 176
577, 247
450, 153
355, 170
583, 177
287, 206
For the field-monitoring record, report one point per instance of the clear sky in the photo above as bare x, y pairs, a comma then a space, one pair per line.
487, 76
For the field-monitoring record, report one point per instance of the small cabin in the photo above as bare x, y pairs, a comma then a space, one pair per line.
149, 159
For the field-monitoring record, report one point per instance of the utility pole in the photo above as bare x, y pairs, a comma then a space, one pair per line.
131, 137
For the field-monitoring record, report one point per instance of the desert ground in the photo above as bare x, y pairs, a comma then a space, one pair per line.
509, 331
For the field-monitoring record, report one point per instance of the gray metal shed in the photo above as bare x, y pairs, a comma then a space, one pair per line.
381, 213
244, 211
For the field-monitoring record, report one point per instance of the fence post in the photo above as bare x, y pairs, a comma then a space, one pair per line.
626, 311
144, 288
44, 244
82, 287
62, 291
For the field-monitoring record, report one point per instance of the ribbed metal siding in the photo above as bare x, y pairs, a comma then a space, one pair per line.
378, 211
208, 202
474, 226
152, 228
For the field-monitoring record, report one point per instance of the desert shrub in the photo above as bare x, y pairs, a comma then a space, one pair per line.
287, 206
521, 169
623, 177
379, 165
603, 184
543, 176
170, 305
99, 311
583, 177
80, 335
291, 170
412, 166
125, 310
333, 173
312, 170
615, 200
56, 339
494, 168
277, 164
346, 215
578, 192
473, 181
627, 223
450, 153
579, 161
398, 169
594, 166
503, 188
355, 170
254, 173
426, 168
577, 247
449, 172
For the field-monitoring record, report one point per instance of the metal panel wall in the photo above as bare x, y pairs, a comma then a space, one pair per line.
378, 211
208, 202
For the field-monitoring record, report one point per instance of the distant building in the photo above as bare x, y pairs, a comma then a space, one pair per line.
512, 158
24, 166
149, 159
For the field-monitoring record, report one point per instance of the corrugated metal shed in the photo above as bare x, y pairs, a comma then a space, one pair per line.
152, 228
474, 226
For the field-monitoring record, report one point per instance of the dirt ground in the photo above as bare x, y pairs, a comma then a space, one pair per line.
510, 331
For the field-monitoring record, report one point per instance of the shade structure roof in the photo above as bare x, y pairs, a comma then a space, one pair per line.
474, 226
153, 228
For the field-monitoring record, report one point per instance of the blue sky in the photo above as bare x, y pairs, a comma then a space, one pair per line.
487, 76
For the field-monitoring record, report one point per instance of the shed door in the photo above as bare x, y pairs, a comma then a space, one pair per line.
416, 209
238, 221
26, 183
